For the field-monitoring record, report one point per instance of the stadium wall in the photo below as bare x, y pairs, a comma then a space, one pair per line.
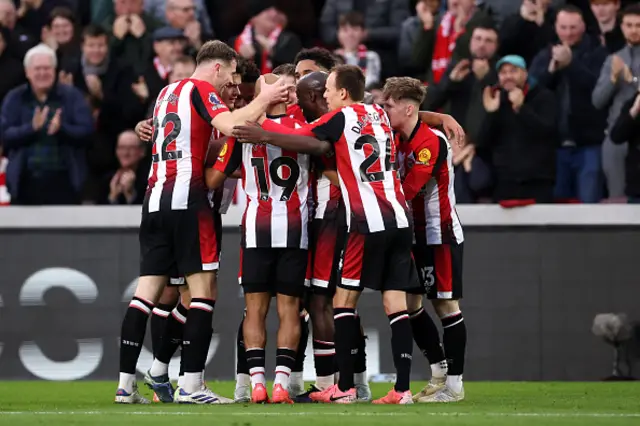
534, 279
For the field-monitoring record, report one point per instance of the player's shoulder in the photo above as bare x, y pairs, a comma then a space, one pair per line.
428, 134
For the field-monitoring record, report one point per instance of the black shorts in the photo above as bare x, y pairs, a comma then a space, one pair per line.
177, 279
380, 261
440, 270
185, 240
328, 237
273, 270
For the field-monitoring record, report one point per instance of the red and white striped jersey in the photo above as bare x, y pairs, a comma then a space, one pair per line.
326, 196
277, 185
182, 128
222, 197
365, 156
426, 168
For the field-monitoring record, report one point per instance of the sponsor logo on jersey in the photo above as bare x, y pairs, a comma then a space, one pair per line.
215, 102
424, 156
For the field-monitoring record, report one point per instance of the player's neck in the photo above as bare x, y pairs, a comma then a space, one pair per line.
407, 129
277, 110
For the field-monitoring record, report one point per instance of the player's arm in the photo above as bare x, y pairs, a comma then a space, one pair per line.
228, 161
315, 139
332, 175
452, 128
429, 155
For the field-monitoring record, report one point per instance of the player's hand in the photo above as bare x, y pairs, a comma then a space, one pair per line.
137, 26
275, 93
39, 117
491, 99
454, 130
250, 133
516, 97
460, 71
144, 130
121, 26
56, 121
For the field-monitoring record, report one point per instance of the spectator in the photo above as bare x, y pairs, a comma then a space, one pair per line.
425, 10
449, 37
183, 68
131, 30
12, 70
351, 34
383, 21
5, 198
606, 12
128, 184
571, 69
90, 71
181, 15
519, 130
45, 127
530, 31
157, 9
59, 34
626, 129
613, 89
33, 15
168, 44
461, 87
19, 40
265, 41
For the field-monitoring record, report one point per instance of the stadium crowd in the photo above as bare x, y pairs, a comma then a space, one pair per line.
547, 91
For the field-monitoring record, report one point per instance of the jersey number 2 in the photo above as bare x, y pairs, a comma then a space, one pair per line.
288, 184
365, 174
165, 155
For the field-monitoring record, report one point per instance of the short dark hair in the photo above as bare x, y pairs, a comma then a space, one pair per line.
378, 85
351, 78
569, 8
216, 50
285, 69
61, 12
399, 88
352, 19
93, 30
320, 56
249, 72
631, 10
185, 60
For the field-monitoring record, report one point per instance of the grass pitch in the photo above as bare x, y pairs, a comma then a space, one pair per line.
495, 404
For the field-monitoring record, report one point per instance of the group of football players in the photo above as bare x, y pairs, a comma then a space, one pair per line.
342, 195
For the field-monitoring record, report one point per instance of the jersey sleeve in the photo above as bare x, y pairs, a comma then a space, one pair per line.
230, 157
207, 107
429, 153
329, 124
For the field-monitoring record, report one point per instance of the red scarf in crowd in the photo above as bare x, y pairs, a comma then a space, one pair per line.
246, 37
444, 45
162, 71
5, 199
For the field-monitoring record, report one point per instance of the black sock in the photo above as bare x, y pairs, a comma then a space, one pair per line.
241, 356
159, 318
172, 337
134, 326
455, 342
197, 334
285, 361
324, 354
346, 345
361, 357
302, 344
255, 361
401, 346
181, 372
426, 336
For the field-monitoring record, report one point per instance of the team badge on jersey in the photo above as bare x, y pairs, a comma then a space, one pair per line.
223, 152
424, 156
215, 102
